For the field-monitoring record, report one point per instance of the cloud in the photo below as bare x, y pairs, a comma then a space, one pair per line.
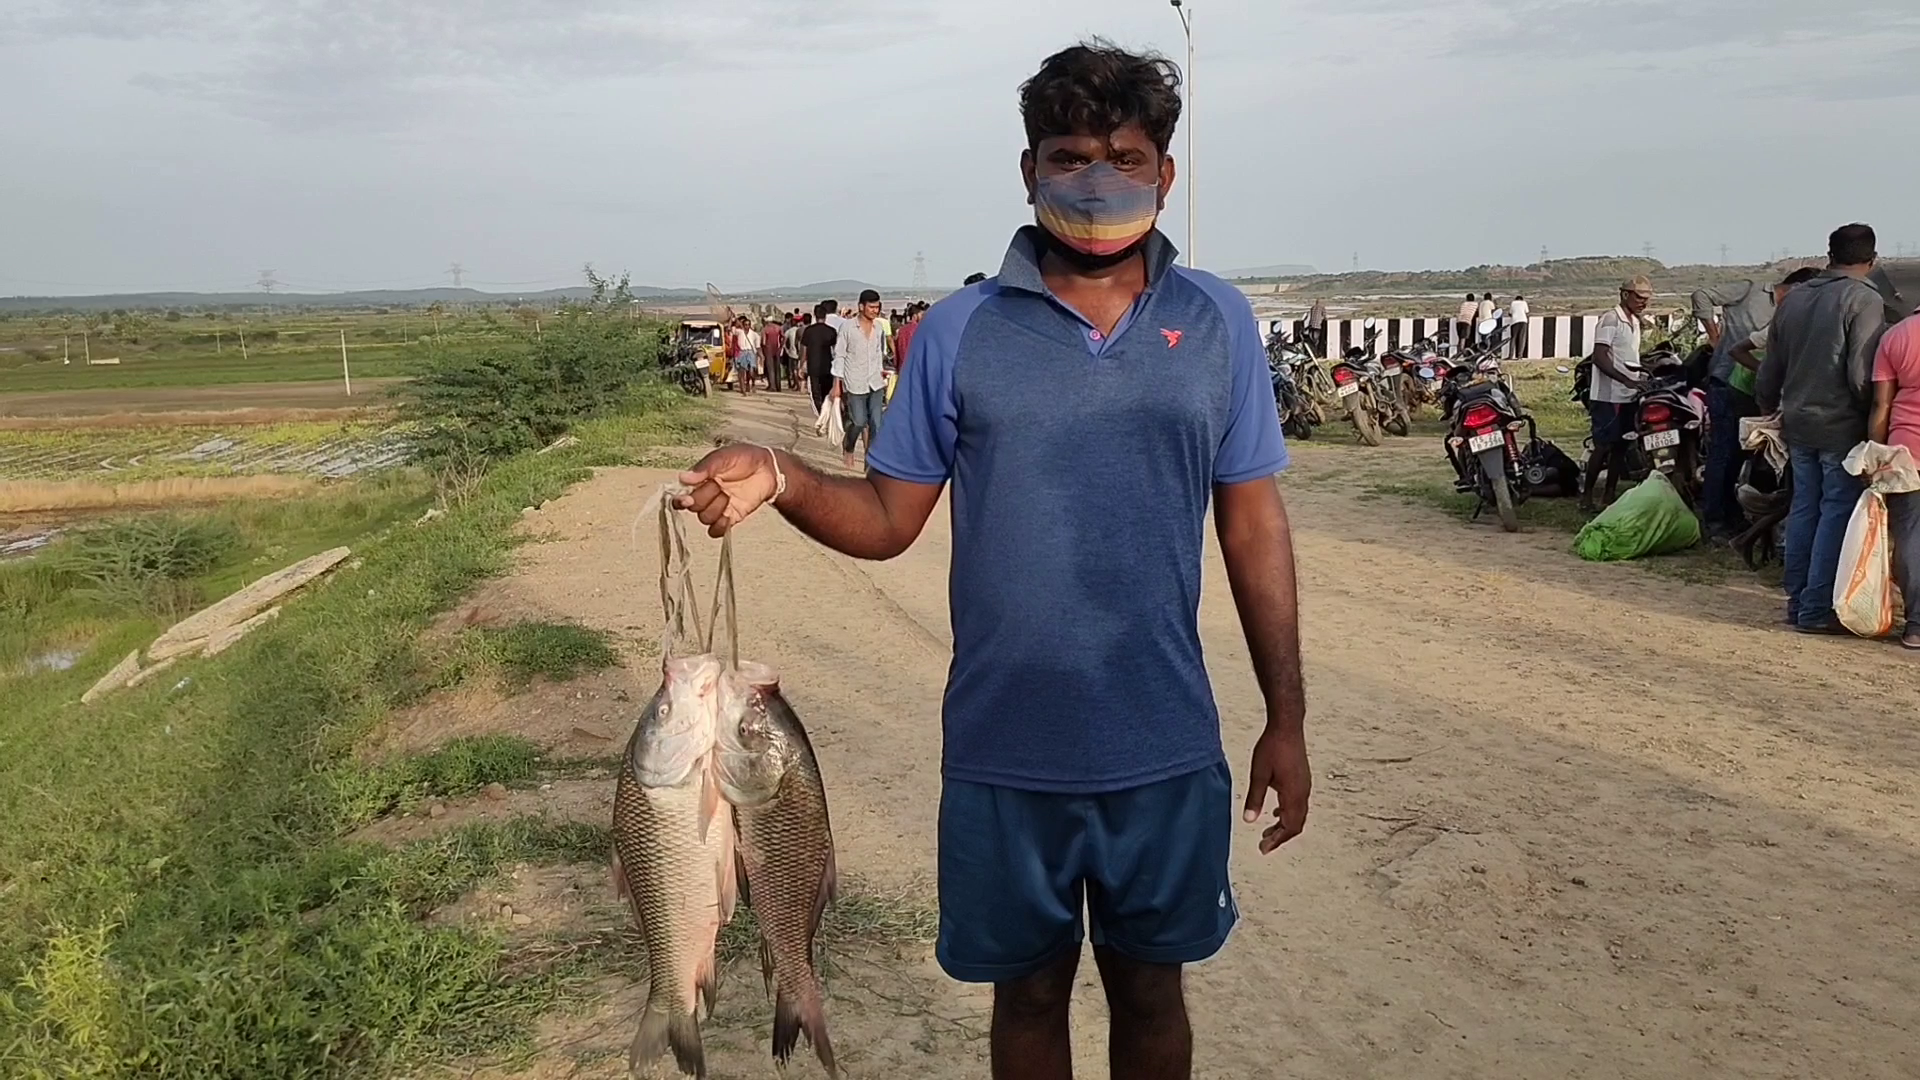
373, 63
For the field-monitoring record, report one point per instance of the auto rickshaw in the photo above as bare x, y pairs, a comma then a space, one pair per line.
708, 338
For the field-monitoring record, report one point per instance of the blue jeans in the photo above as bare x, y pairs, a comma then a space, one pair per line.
863, 414
1824, 495
1903, 525
1720, 507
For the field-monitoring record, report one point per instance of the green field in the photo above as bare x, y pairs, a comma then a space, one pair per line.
156, 351
177, 896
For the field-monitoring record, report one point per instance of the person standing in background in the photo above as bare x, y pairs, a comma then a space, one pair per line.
1818, 374
746, 357
1896, 422
1463, 327
1731, 313
790, 350
1518, 314
817, 340
1616, 381
859, 372
1481, 313
1317, 327
773, 343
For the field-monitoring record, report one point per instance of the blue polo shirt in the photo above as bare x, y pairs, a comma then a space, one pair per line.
1082, 467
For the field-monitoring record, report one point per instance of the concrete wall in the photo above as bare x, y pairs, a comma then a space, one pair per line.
1551, 337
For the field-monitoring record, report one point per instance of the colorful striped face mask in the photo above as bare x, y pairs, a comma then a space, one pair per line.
1098, 211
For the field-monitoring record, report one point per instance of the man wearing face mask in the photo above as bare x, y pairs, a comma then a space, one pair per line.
1089, 405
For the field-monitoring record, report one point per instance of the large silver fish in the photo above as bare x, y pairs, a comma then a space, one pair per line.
674, 858
767, 770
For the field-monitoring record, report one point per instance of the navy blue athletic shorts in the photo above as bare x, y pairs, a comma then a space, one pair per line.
1148, 864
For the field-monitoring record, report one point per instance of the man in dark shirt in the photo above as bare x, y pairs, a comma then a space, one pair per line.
816, 347
1818, 374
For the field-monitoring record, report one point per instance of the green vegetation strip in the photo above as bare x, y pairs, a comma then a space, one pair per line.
175, 896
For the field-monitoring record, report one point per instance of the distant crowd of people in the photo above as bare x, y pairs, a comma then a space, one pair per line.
849, 362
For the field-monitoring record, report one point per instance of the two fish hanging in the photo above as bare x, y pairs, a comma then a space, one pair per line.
719, 791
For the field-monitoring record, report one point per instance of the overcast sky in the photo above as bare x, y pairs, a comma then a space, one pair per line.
367, 143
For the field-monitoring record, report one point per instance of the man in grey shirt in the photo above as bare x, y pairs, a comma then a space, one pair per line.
1818, 373
859, 372
1744, 307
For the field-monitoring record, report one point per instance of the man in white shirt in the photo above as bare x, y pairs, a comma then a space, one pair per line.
1517, 315
1481, 313
1616, 383
859, 372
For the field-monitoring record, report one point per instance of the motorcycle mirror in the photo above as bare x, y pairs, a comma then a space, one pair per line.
1487, 326
1368, 325
1274, 326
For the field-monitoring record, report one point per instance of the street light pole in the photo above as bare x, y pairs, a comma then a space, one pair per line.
1186, 24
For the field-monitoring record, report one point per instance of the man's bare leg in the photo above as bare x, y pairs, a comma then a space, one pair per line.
1150, 1038
1029, 1038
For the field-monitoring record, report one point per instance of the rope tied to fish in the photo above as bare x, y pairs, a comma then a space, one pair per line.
719, 790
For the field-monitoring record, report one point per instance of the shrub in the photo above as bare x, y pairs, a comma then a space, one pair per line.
146, 563
515, 394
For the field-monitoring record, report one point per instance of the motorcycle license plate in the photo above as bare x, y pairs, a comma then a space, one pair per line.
1660, 440
1426, 373
1350, 389
1485, 442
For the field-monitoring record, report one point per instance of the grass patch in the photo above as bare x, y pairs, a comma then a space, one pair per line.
522, 652
461, 767
176, 901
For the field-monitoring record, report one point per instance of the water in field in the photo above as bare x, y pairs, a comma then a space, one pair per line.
23, 541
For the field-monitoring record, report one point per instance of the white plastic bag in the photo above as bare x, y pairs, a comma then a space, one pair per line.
1863, 585
835, 421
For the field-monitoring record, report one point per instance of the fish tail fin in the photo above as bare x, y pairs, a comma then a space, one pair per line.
805, 1012
662, 1030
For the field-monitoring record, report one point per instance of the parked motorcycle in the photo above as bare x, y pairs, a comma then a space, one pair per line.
1310, 376
1299, 413
1669, 422
1483, 441
1355, 389
1425, 371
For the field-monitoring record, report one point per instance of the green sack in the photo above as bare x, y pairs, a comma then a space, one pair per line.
1650, 519
1743, 379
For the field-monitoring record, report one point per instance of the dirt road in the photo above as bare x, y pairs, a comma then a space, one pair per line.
1569, 820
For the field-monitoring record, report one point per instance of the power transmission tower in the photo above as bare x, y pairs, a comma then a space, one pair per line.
1356, 262
1543, 254
1646, 249
266, 281
454, 270
919, 272
1723, 254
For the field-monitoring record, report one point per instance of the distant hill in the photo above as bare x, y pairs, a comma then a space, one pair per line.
1282, 270
842, 289
341, 301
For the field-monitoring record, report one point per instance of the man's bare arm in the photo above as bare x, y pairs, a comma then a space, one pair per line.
1880, 423
867, 517
1257, 543
1746, 356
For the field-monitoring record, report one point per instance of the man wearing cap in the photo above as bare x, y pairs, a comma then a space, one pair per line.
1616, 381
1818, 373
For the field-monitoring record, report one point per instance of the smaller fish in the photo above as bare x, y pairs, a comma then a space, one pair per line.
766, 768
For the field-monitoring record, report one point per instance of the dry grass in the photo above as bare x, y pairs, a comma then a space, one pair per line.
19, 496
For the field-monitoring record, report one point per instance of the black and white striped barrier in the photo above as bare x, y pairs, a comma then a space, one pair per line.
1549, 337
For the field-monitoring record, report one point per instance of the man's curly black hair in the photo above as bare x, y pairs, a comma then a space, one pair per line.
1097, 88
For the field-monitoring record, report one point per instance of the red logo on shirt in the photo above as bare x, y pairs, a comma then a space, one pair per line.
1173, 338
